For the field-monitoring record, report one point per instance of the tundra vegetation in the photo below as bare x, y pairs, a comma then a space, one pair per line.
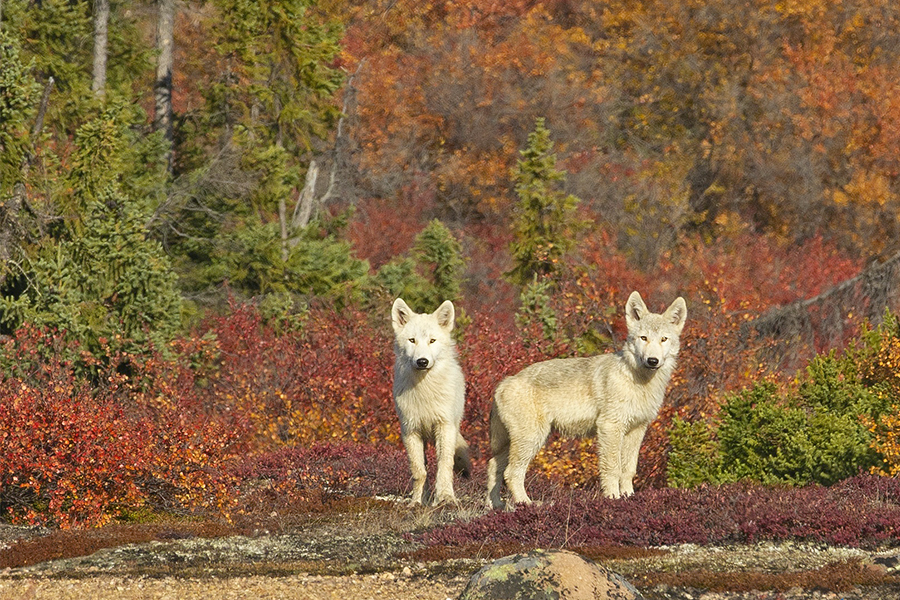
195, 309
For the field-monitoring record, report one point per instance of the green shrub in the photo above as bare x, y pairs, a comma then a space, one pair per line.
111, 287
761, 440
820, 432
693, 454
430, 274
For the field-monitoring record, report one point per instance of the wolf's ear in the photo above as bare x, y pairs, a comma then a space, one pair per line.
400, 314
446, 315
677, 313
635, 309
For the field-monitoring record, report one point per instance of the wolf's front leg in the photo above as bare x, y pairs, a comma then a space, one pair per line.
445, 449
631, 448
609, 454
415, 450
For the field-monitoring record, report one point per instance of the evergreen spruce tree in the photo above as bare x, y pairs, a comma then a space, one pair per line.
273, 100
440, 255
544, 222
109, 287
18, 96
98, 276
430, 274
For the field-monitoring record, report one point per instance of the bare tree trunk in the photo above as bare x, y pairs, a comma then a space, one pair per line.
162, 89
282, 218
101, 36
306, 202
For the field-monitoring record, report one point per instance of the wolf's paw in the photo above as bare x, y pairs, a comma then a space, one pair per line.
512, 506
446, 500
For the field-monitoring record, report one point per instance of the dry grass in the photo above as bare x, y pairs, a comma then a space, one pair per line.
836, 577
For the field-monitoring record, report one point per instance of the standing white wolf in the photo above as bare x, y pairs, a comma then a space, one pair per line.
429, 395
612, 396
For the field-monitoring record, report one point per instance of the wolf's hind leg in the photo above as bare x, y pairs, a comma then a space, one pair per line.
499, 460
521, 453
495, 470
462, 464
415, 450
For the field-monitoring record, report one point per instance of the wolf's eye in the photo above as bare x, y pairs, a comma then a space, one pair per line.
432, 340
412, 340
665, 339
643, 338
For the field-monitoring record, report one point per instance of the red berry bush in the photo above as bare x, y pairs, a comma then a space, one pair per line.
78, 449
863, 511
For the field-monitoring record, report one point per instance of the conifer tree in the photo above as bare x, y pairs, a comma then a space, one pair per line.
430, 273
440, 255
544, 222
100, 277
18, 94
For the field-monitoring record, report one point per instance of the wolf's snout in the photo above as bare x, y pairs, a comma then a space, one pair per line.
421, 363
652, 362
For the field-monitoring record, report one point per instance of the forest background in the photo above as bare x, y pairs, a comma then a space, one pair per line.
206, 209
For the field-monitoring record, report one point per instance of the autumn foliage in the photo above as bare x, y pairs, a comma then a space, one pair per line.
84, 440
860, 512
81, 450
739, 153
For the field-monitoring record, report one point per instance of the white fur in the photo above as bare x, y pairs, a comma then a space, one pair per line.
613, 397
429, 395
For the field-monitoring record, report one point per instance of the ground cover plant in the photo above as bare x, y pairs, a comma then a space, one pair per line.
862, 511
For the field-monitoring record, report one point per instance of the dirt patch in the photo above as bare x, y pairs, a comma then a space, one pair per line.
368, 551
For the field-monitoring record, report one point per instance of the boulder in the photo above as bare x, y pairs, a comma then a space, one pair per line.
545, 575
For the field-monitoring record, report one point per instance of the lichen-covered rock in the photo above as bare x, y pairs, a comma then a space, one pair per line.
545, 575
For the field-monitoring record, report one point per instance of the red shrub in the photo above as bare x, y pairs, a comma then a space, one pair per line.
381, 229
863, 511
76, 452
292, 478
167, 427
329, 380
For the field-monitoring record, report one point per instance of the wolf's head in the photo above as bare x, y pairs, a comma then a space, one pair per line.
421, 338
653, 339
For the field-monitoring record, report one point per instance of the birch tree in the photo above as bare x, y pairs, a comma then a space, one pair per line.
162, 90
101, 39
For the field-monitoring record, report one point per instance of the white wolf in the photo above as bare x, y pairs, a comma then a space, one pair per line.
612, 396
429, 395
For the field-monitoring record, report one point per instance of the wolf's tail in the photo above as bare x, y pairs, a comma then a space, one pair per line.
499, 433
462, 464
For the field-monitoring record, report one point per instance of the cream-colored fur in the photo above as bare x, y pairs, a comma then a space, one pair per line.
429, 395
613, 397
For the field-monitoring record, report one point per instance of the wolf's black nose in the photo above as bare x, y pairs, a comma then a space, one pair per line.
652, 362
422, 363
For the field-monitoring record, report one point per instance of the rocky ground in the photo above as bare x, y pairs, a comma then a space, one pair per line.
364, 554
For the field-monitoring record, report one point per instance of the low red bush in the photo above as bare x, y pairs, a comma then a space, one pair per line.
79, 450
863, 511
